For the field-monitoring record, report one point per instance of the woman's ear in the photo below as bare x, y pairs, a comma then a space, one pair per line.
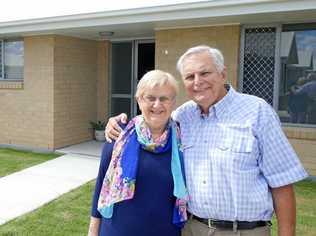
139, 102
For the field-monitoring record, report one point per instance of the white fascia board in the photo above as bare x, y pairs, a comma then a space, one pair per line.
215, 8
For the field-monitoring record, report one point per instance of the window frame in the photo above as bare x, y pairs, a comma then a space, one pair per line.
288, 28
277, 65
2, 43
2, 59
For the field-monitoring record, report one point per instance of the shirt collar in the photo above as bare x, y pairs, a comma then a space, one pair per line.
222, 107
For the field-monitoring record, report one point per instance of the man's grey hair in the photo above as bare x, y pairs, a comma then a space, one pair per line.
215, 54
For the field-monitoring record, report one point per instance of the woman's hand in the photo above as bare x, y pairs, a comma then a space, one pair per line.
113, 129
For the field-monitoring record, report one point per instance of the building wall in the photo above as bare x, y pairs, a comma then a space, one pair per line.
306, 150
75, 90
172, 43
102, 79
64, 87
27, 107
304, 143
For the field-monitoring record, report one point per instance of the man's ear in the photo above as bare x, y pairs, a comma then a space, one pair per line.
174, 103
224, 73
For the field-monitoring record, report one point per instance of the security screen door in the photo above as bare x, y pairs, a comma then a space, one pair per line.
258, 65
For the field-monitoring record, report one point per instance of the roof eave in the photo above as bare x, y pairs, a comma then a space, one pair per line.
216, 8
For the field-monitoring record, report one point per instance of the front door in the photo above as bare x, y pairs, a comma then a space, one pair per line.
130, 61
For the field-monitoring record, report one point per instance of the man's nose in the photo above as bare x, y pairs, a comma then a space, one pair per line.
197, 79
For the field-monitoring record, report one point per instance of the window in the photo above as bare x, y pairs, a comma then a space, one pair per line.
11, 59
297, 84
279, 65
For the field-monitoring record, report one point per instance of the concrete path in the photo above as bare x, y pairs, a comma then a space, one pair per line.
90, 148
26, 190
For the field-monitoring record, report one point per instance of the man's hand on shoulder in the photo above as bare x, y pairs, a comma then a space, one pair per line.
113, 129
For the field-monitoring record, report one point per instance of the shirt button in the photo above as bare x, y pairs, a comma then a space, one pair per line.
204, 182
205, 203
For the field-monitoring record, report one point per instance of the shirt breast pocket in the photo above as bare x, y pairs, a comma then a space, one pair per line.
242, 144
243, 154
238, 148
188, 148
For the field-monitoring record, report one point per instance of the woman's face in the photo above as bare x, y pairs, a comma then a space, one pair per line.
156, 105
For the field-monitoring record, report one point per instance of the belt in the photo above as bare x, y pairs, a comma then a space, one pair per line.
233, 225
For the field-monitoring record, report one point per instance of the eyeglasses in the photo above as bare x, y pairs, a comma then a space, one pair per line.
163, 99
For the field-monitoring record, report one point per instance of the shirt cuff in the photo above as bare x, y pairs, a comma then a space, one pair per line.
290, 176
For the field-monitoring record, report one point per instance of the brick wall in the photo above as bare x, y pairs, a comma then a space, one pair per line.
303, 140
64, 87
27, 107
102, 80
306, 150
75, 94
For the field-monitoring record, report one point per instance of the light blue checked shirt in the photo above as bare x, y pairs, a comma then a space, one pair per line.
233, 155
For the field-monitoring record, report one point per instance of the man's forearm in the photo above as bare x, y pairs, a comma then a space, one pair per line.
285, 209
94, 226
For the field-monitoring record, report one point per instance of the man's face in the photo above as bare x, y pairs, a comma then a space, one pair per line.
203, 83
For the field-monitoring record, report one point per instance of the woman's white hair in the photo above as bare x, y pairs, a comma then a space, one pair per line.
215, 55
155, 78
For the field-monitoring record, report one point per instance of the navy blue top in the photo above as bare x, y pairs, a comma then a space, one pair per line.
150, 212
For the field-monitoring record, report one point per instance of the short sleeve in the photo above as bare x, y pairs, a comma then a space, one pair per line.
278, 161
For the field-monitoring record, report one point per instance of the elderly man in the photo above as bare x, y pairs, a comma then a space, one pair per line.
239, 165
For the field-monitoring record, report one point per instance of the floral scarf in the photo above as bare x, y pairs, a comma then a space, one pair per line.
120, 178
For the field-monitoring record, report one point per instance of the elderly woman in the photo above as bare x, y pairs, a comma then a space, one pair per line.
140, 189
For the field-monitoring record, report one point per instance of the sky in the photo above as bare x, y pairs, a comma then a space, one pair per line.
12, 10
306, 41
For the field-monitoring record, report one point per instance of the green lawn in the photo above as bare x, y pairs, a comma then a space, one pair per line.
306, 209
69, 215
65, 216
14, 160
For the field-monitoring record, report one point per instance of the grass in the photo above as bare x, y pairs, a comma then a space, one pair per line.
306, 209
68, 215
14, 160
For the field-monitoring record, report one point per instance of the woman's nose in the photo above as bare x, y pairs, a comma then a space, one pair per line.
156, 103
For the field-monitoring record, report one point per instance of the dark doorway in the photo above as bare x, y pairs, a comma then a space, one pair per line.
146, 61
130, 61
